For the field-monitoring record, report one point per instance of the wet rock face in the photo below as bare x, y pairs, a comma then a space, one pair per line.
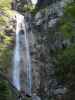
45, 2
48, 18
35, 97
47, 40
23, 62
44, 40
20, 4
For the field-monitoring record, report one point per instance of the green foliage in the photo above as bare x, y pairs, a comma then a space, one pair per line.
28, 7
5, 3
68, 21
5, 11
67, 28
66, 64
5, 59
5, 41
70, 10
5, 93
5, 52
34, 11
3, 20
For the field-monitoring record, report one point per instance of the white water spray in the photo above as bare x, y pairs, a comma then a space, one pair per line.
16, 58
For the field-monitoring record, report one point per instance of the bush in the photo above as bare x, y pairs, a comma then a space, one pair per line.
66, 66
68, 21
5, 93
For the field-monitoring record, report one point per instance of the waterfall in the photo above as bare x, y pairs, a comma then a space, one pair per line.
29, 67
21, 25
16, 58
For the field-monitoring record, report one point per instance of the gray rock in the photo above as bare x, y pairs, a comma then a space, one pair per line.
35, 97
60, 91
52, 22
38, 15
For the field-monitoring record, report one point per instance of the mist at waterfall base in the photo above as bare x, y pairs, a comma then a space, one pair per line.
16, 58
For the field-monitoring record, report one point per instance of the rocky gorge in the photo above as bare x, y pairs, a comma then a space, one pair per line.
50, 30
49, 76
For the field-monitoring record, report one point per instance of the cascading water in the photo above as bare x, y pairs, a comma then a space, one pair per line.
29, 67
16, 58
16, 64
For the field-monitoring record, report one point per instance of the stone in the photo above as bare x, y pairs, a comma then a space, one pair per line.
38, 15
60, 91
35, 97
52, 22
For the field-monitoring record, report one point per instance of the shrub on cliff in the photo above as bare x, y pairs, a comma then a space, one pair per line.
5, 93
66, 58
68, 21
5, 40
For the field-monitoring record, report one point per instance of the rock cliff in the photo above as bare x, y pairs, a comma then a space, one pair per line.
47, 46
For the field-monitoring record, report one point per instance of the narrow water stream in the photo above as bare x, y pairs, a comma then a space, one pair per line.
29, 66
17, 56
